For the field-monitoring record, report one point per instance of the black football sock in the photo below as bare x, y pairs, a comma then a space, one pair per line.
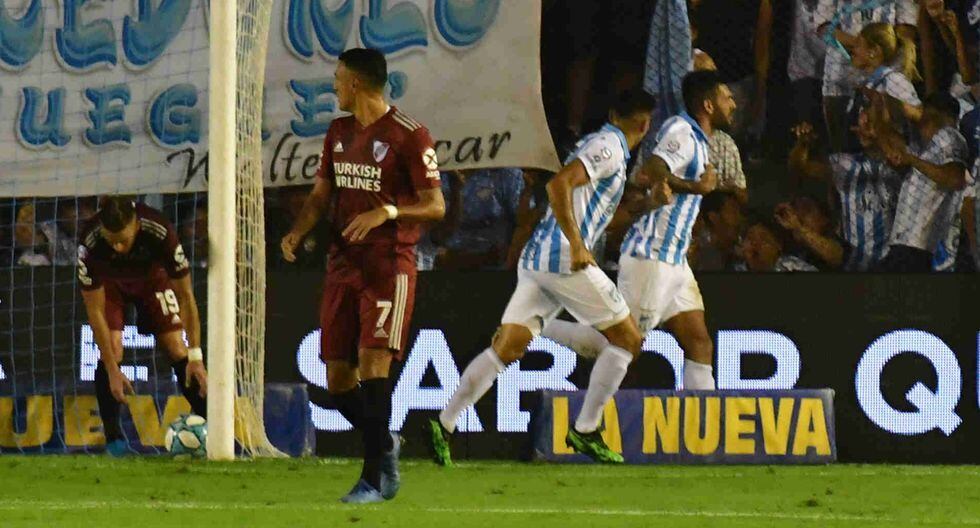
377, 439
198, 404
108, 406
350, 404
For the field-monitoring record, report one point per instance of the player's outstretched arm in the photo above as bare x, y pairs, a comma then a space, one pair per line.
313, 208
560, 196
95, 309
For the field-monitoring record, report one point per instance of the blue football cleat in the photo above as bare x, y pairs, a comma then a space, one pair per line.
118, 448
390, 478
362, 493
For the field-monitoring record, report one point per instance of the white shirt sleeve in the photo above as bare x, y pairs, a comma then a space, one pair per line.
602, 156
841, 166
947, 146
908, 13
898, 86
676, 148
826, 9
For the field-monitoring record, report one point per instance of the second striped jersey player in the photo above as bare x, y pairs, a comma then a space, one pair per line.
557, 271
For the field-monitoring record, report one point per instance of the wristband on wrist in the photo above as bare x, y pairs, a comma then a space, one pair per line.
195, 354
392, 211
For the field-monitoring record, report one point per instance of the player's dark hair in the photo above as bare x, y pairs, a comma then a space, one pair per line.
632, 102
943, 104
698, 87
368, 64
116, 212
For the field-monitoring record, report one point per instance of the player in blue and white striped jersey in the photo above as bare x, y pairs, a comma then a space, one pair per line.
932, 194
654, 275
557, 271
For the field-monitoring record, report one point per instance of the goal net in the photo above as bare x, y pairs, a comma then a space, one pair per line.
105, 98
251, 43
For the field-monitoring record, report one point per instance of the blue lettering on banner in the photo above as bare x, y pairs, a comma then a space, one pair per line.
393, 28
316, 106
397, 85
32, 132
463, 23
147, 37
20, 40
332, 28
933, 410
174, 119
107, 119
83, 46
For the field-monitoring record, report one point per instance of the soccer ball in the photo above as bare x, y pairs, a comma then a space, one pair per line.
188, 435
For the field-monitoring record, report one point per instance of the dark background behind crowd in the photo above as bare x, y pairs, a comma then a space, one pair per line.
853, 152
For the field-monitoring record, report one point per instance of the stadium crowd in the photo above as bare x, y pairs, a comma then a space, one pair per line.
856, 146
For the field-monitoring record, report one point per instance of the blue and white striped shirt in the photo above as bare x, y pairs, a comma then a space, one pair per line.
604, 155
868, 190
665, 233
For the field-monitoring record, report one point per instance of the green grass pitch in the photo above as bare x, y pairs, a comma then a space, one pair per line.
90, 491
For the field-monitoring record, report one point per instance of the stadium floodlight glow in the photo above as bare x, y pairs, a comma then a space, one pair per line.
933, 409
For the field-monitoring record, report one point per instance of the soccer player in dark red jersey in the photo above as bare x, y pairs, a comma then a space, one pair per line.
380, 172
130, 254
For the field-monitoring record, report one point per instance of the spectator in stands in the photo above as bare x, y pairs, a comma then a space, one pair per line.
886, 59
949, 35
971, 218
73, 213
311, 253
866, 186
811, 233
932, 194
805, 66
716, 232
194, 233
843, 20
737, 34
481, 214
761, 250
30, 245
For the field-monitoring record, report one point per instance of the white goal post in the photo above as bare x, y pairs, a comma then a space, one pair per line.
236, 227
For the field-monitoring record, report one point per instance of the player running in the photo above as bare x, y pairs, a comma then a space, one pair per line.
557, 270
654, 275
130, 254
379, 169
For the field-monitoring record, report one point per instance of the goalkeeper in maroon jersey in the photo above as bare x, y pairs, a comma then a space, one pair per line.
130, 254
380, 172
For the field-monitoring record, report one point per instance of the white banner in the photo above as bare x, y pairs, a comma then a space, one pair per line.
111, 97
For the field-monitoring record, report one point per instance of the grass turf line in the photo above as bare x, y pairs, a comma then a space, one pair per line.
157, 491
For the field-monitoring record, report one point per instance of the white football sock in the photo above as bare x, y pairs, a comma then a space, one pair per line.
476, 381
607, 375
584, 340
698, 376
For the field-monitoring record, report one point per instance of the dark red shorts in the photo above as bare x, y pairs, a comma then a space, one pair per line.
156, 304
368, 298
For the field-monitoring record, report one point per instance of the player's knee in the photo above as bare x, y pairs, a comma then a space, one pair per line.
341, 379
627, 337
510, 342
